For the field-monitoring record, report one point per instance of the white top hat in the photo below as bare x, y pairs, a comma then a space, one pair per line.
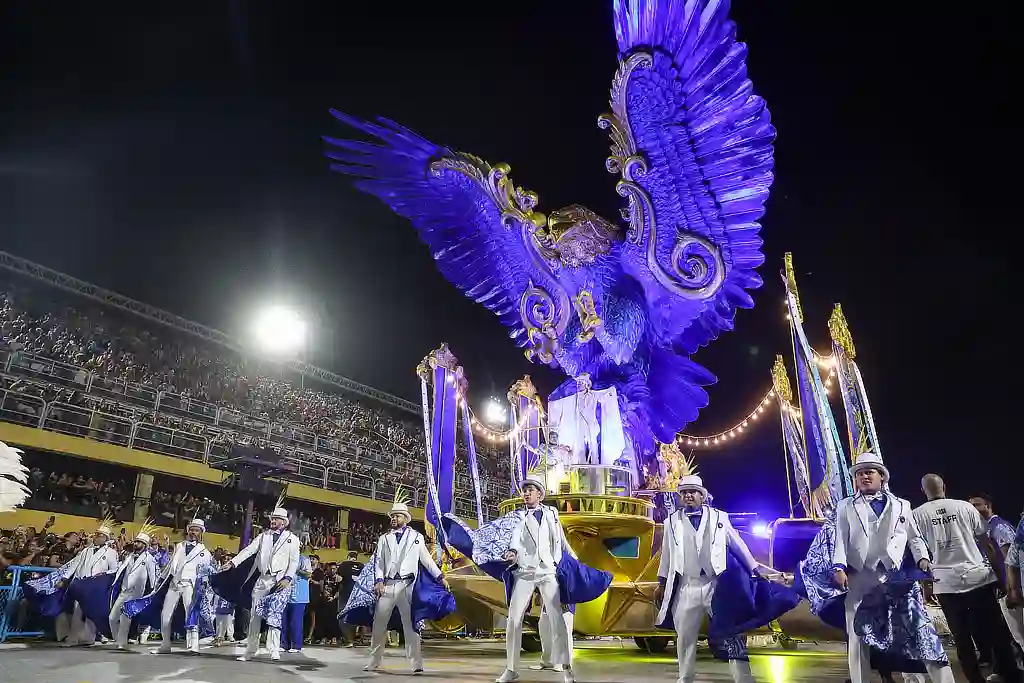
535, 477
398, 508
198, 524
105, 530
280, 513
691, 482
143, 538
868, 460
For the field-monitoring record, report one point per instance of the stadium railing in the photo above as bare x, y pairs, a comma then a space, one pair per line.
324, 462
15, 622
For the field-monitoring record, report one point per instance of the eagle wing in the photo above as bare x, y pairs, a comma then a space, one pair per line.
480, 228
694, 146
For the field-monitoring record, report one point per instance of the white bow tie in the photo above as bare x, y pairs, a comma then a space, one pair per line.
873, 496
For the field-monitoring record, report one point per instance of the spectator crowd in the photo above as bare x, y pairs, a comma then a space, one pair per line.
127, 356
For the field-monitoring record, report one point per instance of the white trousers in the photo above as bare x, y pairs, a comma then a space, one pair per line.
225, 626
1014, 620
120, 624
264, 586
522, 595
858, 652
62, 626
81, 631
692, 603
178, 592
547, 636
397, 595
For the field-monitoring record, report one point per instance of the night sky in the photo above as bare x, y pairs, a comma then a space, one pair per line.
171, 152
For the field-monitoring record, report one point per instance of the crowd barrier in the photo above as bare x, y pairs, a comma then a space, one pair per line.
15, 619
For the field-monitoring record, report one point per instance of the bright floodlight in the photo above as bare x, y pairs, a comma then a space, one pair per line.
759, 529
496, 413
280, 330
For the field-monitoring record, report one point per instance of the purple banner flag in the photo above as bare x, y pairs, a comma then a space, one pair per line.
860, 424
524, 443
474, 470
443, 441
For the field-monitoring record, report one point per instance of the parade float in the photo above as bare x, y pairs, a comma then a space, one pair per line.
620, 307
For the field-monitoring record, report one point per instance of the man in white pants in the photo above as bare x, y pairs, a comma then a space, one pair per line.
536, 547
277, 559
98, 559
694, 545
874, 528
184, 571
547, 636
137, 571
400, 554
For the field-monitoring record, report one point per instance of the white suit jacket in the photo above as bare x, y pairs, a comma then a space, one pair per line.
714, 531
897, 523
575, 419
401, 559
182, 567
95, 561
280, 560
138, 569
530, 538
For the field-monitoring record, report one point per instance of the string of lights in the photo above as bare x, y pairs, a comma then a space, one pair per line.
683, 439
481, 428
737, 430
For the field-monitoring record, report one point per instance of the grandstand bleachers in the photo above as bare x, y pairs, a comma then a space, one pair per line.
70, 365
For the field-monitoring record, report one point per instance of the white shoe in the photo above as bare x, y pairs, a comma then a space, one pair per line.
371, 667
275, 656
508, 677
541, 667
162, 650
293, 650
243, 658
568, 677
558, 668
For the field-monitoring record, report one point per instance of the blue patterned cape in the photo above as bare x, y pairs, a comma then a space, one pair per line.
222, 606
235, 586
430, 600
146, 610
577, 583
892, 619
96, 595
44, 594
741, 603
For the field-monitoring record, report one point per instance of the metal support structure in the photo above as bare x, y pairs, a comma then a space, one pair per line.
27, 268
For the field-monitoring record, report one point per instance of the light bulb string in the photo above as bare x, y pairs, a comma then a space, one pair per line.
714, 439
683, 437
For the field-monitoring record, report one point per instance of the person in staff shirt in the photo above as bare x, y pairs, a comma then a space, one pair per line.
966, 585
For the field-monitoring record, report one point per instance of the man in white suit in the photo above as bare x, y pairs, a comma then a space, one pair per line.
183, 570
400, 554
100, 558
136, 571
536, 548
874, 528
277, 560
694, 545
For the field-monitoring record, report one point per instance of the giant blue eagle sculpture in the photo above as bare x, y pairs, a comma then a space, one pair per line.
627, 303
